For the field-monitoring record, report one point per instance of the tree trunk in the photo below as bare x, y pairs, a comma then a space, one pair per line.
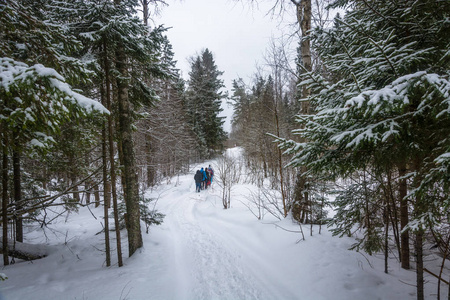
5, 200
419, 262
224, 196
145, 12
73, 178
264, 165
304, 14
280, 164
17, 192
121, 163
88, 192
106, 193
393, 214
404, 217
112, 160
131, 185
296, 208
386, 237
97, 195
24, 251
44, 175
151, 172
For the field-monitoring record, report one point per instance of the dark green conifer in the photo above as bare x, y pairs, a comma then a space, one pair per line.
203, 103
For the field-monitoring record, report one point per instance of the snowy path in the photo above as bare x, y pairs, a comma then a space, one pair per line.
207, 265
212, 253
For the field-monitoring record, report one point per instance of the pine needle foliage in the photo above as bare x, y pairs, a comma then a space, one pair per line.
37, 73
382, 99
203, 103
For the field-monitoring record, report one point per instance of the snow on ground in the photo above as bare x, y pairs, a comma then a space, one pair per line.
202, 251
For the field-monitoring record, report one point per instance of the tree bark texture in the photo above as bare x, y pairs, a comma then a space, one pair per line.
419, 267
5, 201
130, 184
73, 178
112, 161
105, 204
17, 193
386, 238
24, 251
304, 14
145, 11
97, 196
151, 170
88, 192
280, 164
404, 219
106, 194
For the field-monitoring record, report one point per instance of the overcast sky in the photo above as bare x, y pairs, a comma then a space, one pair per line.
236, 32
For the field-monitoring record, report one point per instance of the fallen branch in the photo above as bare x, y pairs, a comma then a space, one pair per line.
431, 273
25, 251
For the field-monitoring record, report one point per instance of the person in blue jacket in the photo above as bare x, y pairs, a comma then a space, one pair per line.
203, 179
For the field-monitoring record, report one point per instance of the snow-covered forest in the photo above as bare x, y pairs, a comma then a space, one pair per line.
202, 251
332, 184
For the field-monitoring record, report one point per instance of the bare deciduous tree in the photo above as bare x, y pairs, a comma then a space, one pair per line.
226, 175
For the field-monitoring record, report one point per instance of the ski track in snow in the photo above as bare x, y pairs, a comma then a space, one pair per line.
207, 268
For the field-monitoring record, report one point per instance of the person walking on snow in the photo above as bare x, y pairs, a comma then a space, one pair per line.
203, 178
208, 178
198, 177
211, 173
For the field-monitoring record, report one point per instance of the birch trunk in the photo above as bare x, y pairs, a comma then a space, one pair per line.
304, 15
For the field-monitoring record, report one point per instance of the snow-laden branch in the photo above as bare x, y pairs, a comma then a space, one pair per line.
15, 74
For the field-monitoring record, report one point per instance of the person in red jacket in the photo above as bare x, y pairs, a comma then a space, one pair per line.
211, 172
208, 178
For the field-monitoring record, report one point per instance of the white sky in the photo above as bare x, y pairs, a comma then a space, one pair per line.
236, 32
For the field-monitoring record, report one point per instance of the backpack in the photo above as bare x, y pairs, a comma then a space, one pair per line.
198, 176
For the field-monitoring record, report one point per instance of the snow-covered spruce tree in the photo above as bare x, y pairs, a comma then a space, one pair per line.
36, 100
125, 53
384, 103
93, 22
203, 101
137, 57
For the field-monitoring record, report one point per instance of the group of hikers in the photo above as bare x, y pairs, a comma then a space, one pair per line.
203, 178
